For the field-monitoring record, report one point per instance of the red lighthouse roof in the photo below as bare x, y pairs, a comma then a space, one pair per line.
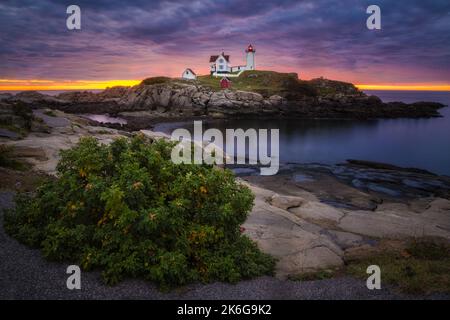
250, 48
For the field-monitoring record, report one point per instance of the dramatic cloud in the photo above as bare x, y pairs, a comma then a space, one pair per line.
121, 40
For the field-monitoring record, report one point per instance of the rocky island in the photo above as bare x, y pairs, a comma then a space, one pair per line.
256, 94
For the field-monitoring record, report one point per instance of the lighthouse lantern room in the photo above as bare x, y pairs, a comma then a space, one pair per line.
250, 57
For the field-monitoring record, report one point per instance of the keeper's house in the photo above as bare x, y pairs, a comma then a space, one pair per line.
220, 65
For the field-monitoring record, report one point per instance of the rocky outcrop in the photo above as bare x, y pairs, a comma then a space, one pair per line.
107, 95
193, 100
32, 97
326, 87
63, 131
297, 222
5, 96
17, 120
185, 100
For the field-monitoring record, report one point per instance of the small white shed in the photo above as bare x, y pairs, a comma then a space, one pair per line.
189, 74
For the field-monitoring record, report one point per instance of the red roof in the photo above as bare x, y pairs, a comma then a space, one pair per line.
190, 70
214, 58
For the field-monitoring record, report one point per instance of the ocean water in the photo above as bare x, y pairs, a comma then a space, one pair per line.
419, 143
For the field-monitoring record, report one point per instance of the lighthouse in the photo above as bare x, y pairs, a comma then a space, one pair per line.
250, 57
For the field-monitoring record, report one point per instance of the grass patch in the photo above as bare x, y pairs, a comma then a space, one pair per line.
423, 267
20, 131
24, 111
102, 132
155, 80
23, 180
50, 113
17, 118
326, 87
7, 159
266, 83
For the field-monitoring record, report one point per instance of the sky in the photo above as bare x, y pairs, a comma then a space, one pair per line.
123, 42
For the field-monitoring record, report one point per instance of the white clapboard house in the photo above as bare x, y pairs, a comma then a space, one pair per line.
220, 65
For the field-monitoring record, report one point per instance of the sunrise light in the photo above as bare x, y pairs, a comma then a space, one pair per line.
41, 85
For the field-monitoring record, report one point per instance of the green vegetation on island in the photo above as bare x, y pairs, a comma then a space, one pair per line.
155, 80
266, 83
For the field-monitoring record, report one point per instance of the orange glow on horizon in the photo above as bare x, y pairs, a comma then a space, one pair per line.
406, 87
42, 85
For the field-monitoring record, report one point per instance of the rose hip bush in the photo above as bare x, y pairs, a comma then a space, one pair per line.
127, 210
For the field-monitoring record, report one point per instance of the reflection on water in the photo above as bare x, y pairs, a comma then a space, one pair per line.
104, 118
421, 143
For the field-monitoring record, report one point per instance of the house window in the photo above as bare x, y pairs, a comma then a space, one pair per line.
221, 60
221, 67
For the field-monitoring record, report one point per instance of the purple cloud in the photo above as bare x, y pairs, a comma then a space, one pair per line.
121, 40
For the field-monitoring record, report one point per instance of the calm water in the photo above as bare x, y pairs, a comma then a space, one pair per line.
104, 118
420, 143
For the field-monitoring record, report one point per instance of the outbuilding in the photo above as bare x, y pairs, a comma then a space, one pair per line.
189, 74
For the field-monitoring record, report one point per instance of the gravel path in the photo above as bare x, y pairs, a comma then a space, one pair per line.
24, 274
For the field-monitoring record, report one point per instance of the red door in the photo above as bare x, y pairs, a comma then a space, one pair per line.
225, 83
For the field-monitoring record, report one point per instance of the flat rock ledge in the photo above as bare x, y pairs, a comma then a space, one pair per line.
306, 235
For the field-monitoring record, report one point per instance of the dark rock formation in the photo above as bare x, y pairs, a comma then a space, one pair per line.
107, 95
385, 166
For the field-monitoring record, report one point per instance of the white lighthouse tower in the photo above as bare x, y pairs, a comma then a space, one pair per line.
250, 57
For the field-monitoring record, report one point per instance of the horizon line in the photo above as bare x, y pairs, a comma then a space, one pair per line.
61, 85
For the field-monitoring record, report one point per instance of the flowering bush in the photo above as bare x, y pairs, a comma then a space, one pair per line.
129, 211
